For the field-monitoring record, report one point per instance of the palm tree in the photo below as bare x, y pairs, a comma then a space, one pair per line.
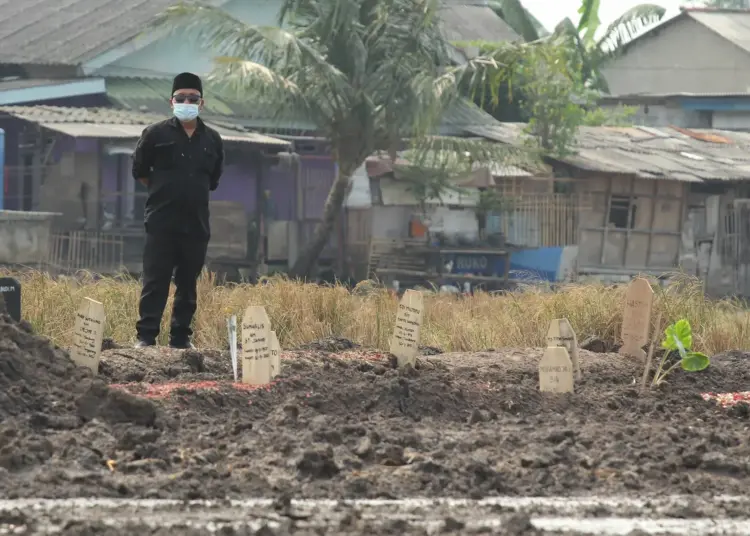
591, 53
368, 73
520, 19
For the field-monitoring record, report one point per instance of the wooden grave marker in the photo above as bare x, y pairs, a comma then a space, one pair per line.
232, 330
636, 318
88, 333
256, 350
275, 355
561, 333
10, 289
556, 371
406, 333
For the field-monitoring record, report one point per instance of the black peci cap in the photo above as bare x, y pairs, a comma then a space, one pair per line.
187, 81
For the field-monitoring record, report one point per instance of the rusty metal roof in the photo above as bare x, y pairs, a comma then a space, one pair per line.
650, 153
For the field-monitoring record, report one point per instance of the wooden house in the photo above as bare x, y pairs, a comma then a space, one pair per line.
661, 200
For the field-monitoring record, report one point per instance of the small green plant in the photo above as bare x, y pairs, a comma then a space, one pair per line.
679, 337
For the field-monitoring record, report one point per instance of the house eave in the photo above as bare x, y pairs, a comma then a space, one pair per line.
77, 88
134, 44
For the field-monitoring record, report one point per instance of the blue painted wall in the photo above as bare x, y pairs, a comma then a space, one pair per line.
719, 104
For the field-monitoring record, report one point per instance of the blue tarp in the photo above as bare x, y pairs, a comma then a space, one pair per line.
536, 264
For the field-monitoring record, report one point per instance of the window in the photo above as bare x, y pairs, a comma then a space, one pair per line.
622, 212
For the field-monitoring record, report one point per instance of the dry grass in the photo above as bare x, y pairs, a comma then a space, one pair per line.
302, 313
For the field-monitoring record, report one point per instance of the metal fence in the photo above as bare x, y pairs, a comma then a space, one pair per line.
733, 244
94, 251
539, 220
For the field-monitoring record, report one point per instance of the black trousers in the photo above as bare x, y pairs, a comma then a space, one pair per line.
163, 255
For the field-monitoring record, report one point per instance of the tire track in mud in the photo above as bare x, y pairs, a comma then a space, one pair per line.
512, 516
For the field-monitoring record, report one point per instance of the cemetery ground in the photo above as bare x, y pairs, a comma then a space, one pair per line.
340, 421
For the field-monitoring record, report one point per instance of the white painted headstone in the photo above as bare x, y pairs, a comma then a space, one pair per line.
88, 333
275, 355
561, 333
232, 329
406, 334
256, 351
636, 318
556, 371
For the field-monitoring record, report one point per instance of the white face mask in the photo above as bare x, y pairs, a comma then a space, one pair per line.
185, 112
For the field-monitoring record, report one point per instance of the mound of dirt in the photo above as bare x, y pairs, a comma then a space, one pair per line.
331, 344
44, 396
159, 423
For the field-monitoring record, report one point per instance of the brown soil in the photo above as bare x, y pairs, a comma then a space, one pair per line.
349, 425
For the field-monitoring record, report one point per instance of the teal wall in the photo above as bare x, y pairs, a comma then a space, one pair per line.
176, 53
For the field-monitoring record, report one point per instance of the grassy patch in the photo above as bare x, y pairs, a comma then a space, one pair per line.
304, 312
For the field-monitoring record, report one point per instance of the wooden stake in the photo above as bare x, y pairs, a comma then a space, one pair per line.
650, 358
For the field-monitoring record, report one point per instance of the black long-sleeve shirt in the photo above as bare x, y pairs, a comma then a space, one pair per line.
181, 171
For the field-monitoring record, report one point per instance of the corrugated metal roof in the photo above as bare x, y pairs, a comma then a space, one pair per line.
117, 124
25, 83
70, 32
249, 137
63, 114
730, 24
463, 116
95, 130
399, 193
650, 153
665, 96
380, 164
474, 21
152, 95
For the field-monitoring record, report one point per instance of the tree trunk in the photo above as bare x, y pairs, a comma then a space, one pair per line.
482, 225
334, 203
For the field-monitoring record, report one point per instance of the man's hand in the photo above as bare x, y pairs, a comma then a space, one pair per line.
143, 157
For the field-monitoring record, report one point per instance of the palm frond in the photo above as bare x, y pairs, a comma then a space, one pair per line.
583, 57
499, 66
454, 155
589, 22
236, 78
280, 51
434, 165
628, 25
541, 31
368, 73
517, 17
224, 34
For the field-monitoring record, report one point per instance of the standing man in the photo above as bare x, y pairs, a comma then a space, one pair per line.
179, 160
